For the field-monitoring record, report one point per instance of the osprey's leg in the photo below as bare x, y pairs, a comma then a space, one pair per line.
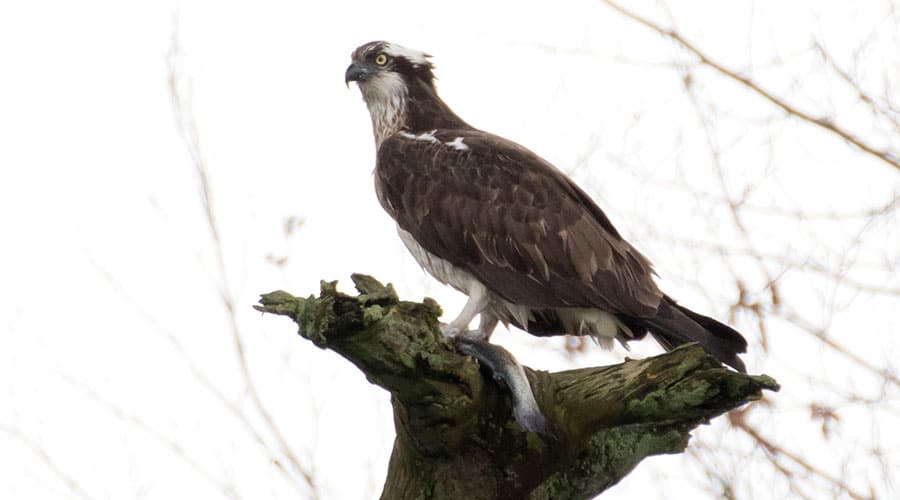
503, 366
478, 302
486, 324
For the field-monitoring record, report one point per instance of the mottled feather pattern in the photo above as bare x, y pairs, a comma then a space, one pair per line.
502, 225
438, 193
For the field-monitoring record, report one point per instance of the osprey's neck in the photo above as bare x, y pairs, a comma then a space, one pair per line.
388, 116
413, 107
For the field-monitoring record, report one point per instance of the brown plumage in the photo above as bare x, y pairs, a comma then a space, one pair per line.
513, 221
503, 225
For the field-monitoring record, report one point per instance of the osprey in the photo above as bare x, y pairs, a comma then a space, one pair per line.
505, 227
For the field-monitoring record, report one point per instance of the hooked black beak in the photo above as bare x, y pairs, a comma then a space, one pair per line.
357, 72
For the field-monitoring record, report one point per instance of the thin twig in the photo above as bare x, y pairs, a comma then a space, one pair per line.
737, 420
823, 123
807, 265
830, 216
734, 207
822, 336
200, 376
889, 114
42, 454
166, 441
189, 131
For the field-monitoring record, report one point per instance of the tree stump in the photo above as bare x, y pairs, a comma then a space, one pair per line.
456, 435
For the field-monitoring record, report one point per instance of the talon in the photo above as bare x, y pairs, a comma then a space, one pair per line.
478, 335
450, 332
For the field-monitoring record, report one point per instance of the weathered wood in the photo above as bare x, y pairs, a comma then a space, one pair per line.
456, 436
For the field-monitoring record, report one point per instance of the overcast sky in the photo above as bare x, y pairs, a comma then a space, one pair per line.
110, 280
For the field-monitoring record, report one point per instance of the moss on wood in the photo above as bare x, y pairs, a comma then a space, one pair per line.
456, 436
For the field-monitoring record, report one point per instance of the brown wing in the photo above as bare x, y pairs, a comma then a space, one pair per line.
508, 217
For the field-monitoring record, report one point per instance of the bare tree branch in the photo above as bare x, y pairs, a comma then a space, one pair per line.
737, 419
808, 265
272, 455
881, 109
51, 465
160, 437
187, 127
821, 335
882, 209
826, 124
456, 437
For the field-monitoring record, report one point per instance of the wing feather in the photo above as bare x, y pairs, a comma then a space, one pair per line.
513, 221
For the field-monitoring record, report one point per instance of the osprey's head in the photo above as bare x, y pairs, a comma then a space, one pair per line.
389, 76
380, 68
398, 86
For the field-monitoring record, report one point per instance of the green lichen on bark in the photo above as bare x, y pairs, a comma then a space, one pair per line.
456, 436
608, 456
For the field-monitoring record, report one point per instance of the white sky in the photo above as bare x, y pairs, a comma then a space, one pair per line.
106, 250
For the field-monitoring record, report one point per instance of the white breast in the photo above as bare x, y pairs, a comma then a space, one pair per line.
601, 325
442, 270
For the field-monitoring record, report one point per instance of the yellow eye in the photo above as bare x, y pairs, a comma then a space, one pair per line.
381, 59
